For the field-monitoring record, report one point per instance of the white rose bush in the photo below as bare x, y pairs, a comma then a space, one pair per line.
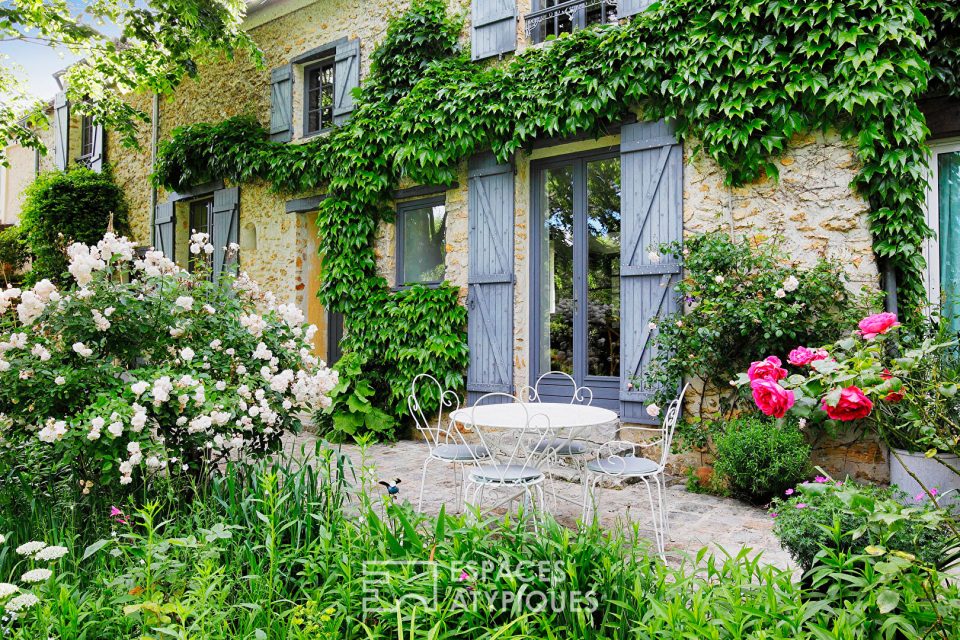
142, 368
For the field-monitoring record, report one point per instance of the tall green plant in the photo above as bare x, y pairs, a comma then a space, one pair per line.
63, 207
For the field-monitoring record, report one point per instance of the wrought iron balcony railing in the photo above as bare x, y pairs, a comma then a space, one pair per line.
565, 17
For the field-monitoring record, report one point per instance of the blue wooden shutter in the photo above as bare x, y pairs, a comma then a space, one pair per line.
99, 145
346, 78
493, 28
651, 165
61, 130
164, 229
281, 104
628, 8
490, 277
225, 225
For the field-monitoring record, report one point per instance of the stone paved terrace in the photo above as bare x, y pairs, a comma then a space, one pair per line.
696, 520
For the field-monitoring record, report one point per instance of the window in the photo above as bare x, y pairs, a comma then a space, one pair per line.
318, 96
943, 211
421, 242
86, 137
565, 16
199, 223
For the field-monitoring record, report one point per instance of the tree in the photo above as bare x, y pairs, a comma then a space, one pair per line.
63, 207
159, 45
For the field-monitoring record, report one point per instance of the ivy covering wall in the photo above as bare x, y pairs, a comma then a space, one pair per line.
739, 77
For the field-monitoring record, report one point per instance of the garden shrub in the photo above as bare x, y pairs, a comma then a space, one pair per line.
13, 253
63, 207
142, 368
741, 300
852, 518
760, 458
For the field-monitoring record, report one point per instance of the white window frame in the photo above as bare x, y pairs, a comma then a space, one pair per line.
931, 246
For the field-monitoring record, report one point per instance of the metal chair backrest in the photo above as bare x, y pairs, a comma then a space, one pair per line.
579, 395
646, 437
426, 391
515, 445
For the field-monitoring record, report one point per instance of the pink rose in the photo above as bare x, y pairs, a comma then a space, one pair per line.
802, 356
771, 398
879, 323
852, 405
768, 369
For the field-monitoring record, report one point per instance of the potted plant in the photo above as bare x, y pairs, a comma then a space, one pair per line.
904, 382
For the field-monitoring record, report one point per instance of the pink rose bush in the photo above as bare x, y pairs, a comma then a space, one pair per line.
141, 368
848, 380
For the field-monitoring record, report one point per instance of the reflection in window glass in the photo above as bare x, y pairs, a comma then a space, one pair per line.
603, 267
949, 198
556, 301
423, 234
319, 96
199, 223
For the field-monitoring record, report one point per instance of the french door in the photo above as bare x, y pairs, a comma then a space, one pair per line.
943, 215
575, 292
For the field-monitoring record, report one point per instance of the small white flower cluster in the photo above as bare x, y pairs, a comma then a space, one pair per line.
38, 551
33, 302
84, 261
249, 288
200, 243
154, 264
100, 318
52, 431
7, 296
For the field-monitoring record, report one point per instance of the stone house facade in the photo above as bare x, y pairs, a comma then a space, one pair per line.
552, 254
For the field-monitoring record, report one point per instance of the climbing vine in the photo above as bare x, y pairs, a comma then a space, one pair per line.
739, 78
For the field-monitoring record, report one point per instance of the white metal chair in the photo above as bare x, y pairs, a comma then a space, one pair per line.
446, 444
620, 458
567, 447
515, 457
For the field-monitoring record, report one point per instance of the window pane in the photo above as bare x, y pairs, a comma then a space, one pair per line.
603, 267
319, 101
556, 290
424, 243
949, 198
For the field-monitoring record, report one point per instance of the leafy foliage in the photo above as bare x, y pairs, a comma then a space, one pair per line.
849, 518
161, 42
63, 207
739, 78
13, 252
760, 458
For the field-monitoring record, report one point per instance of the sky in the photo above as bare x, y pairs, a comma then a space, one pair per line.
38, 62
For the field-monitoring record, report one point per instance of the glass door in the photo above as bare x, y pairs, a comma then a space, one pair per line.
576, 275
943, 252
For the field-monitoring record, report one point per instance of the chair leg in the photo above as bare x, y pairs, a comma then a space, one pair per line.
423, 482
664, 511
655, 517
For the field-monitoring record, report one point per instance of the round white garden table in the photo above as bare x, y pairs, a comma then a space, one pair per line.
571, 422
515, 415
